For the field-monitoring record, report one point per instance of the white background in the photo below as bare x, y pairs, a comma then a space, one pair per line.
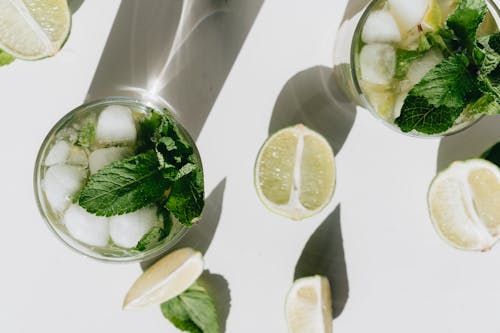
401, 276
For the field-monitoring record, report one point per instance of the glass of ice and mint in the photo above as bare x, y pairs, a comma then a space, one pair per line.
119, 180
424, 67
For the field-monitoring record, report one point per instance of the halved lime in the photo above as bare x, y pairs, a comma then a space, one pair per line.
464, 204
295, 172
33, 29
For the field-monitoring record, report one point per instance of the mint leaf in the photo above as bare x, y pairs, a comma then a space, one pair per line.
147, 130
124, 186
87, 132
493, 154
186, 199
466, 19
151, 239
404, 58
417, 114
487, 53
5, 58
449, 84
192, 311
486, 104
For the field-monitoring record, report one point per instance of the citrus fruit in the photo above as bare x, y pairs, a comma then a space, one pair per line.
309, 306
464, 204
295, 172
33, 29
166, 279
433, 16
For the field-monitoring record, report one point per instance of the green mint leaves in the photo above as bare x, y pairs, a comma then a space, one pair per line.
166, 171
466, 19
5, 58
192, 311
124, 186
493, 154
466, 82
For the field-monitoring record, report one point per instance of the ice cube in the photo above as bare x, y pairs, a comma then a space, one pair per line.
77, 156
377, 63
115, 125
408, 13
85, 227
380, 27
58, 154
102, 157
127, 230
60, 183
420, 67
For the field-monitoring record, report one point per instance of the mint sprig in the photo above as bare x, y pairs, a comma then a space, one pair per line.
166, 172
466, 82
124, 186
192, 311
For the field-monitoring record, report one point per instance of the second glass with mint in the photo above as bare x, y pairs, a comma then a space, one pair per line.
426, 67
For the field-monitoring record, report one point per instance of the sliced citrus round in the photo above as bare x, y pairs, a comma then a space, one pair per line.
464, 204
166, 279
433, 17
309, 306
33, 29
295, 172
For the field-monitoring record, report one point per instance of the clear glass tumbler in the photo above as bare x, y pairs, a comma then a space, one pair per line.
346, 67
67, 129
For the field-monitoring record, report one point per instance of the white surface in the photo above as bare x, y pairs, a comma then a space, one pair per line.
402, 277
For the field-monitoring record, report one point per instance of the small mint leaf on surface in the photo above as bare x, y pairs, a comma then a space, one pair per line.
192, 311
124, 186
404, 59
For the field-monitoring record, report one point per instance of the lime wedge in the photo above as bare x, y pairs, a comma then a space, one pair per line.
33, 29
433, 17
309, 306
464, 204
295, 172
166, 279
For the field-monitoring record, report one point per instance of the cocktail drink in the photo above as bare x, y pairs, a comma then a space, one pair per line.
119, 180
424, 67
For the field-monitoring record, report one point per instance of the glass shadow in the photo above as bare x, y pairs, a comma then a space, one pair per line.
470, 143
324, 255
313, 98
175, 51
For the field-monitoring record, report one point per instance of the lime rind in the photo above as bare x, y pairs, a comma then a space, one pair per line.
23, 37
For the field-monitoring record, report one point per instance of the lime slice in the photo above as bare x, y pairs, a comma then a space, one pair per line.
464, 204
33, 29
295, 172
309, 306
166, 279
433, 17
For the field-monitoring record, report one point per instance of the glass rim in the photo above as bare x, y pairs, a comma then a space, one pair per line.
73, 244
365, 102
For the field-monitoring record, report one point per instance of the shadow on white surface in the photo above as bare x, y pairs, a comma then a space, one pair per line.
470, 143
354, 7
175, 51
200, 236
324, 255
74, 5
218, 287
313, 98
